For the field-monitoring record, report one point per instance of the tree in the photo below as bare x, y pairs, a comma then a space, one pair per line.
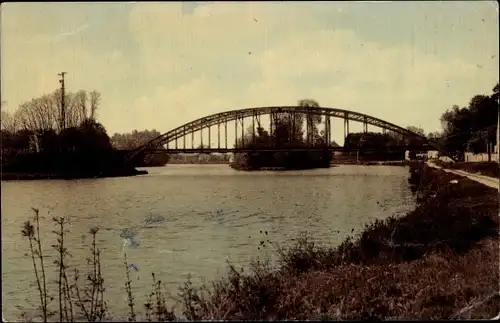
457, 130
40, 119
436, 135
9, 122
473, 127
495, 94
417, 130
133, 139
287, 132
95, 100
314, 119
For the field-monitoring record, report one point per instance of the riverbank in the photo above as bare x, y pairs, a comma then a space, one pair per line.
433, 263
438, 262
491, 169
67, 165
39, 176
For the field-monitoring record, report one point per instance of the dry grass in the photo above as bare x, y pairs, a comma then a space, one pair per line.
436, 286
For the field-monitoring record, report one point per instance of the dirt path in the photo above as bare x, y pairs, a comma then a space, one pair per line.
486, 180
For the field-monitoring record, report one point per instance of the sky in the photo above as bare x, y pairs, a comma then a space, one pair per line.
160, 65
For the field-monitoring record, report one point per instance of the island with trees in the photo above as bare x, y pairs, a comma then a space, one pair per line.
39, 142
285, 133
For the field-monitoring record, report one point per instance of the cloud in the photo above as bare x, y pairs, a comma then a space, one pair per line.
257, 54
58, 36
159, 65
32, 57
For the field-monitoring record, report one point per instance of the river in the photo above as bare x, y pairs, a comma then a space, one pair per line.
205, 215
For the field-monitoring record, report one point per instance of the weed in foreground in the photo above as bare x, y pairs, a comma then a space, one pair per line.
77, 302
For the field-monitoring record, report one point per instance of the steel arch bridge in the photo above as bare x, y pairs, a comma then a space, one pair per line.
254, 116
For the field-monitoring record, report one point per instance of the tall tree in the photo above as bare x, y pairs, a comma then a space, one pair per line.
315, 119
417, 130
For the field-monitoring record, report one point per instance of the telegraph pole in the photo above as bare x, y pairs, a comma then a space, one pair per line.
63, 104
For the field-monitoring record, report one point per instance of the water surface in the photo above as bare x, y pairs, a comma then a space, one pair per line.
200, 216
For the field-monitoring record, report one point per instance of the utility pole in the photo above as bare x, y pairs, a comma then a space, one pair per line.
63, 104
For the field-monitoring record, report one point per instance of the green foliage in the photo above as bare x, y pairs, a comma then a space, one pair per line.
381, 146
287, 131
473, 127
134, 139
35, 144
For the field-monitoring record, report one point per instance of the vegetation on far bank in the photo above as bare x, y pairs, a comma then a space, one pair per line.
440, 261
129, 141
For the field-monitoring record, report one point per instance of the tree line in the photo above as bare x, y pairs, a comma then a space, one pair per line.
36, 127
135, 139
36, 123
35, 139
471, 128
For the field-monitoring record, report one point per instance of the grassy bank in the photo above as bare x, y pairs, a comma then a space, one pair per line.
482, 168
431, 264
440, 261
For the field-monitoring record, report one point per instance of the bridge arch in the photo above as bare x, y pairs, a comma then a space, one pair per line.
234, 115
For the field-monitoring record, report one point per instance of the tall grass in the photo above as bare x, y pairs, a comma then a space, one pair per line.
439, 261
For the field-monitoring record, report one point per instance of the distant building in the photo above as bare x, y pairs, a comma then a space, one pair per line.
432, 154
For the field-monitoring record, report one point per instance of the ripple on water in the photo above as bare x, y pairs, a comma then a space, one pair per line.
203, 222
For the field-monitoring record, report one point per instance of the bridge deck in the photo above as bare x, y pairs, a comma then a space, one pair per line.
249, 150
